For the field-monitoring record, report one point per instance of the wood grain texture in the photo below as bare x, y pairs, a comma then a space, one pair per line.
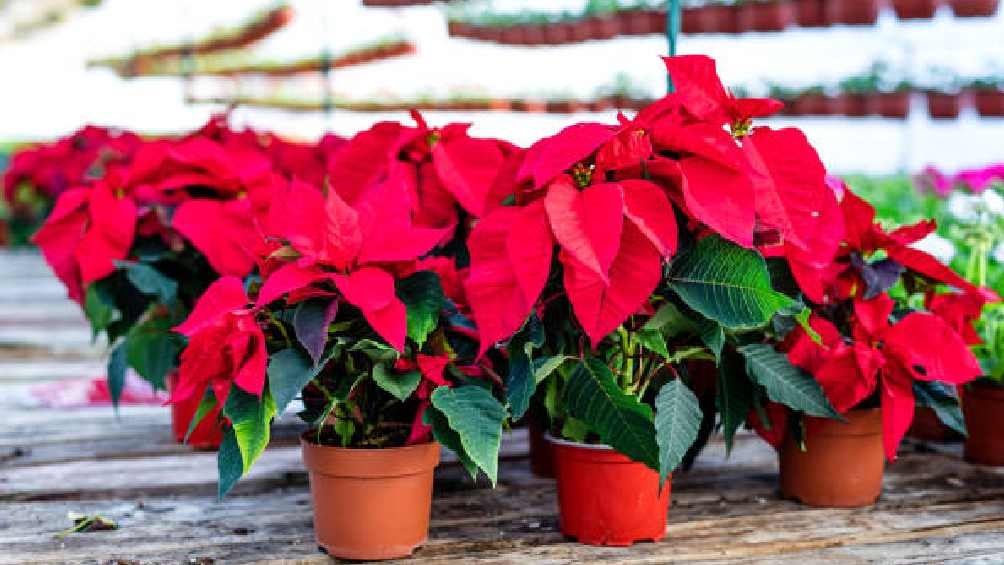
935, 508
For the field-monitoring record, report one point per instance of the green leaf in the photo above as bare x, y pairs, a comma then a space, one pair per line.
378, 352
946, 406
475, 415
99, 307
520, 382
677, 422
621, 421
544, 366
423, 299
654, 341
786, 383
206, 405
735, 397
713, 336
117, 372
251, 419
229, 463
727, 283
153, 351
445, 435
669, 321
289, 371
150, 281
399, 385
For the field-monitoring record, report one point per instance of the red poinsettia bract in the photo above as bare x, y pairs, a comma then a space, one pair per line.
225, 345
886, 355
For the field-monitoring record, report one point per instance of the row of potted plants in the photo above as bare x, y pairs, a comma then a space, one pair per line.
626, 286
606, 19
231, 64
258, 27
986, 100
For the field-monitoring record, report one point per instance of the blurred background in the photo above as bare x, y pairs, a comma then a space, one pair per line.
518, 69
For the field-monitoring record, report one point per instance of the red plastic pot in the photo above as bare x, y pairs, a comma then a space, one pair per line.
942, 106
974, 8
894, 104
814, 105
534, 34
915, 9
775, 15
657, 21
810, 13
580, 30
370, 503
989, 103
511, 35
983, 407
635, 22
604, 498
459, 29
721, 18
842, 465
207, 435
852, 12
604, 27
857, 105
557, 33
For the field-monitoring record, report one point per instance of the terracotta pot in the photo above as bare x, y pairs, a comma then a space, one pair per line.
541, 453
810, 13
531, 106
974, 8
557, 33
511, 35
580, 30
635, 22
942, 106
842, 465
370, 503
207, 435
983, 407
721, 18
989, 103
534, 34
657, 21
894, 104
926, 426
858, 105
600, 105
604, 498
915, 9
605, 27
775, 15
814, 105
852, 12
566, 106
459, 29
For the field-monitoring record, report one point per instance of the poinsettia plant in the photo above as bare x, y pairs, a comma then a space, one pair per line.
628, 252
38, 174
353, 316
890, 327
137, 246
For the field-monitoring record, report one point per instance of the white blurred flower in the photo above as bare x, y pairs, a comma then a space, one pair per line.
999, 253
994, 202
964, 206
942, 249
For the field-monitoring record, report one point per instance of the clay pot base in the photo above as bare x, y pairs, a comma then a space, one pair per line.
391, 553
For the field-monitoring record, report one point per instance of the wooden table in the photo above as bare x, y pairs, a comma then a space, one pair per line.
935, 508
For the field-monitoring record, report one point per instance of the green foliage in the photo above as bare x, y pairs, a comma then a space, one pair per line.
677, 422
229, 463
251, 419
622, 422
99, 307
726, 283
423, 299
289, 371
116, 373
206, 405
945, 404
734, 396
447, 436
399, 385
152, 350
786, 383
150, 281
476, 417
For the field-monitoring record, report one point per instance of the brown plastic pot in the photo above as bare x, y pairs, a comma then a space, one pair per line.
370, 503
852, 12
943, 106
810, 13
604, 498
775, 15
842, 465
926, 426
989, 103
983, 407
915, 9
974, 8
894, 104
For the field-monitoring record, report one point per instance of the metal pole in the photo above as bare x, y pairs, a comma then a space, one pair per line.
672, 32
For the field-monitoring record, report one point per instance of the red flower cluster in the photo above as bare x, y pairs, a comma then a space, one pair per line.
603, 195
206, 189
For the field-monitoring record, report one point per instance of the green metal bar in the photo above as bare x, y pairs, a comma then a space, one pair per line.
672, 32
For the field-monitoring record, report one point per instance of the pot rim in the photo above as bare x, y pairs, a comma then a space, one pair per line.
413, 447
580, 445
